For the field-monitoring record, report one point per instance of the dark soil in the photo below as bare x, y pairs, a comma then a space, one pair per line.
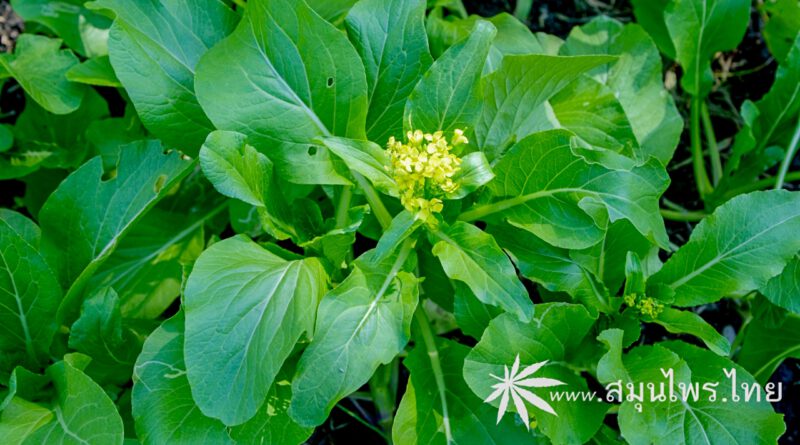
10, 26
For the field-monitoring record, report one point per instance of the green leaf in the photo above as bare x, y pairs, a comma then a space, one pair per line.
699, 29
784, 289
94, 71
475, 172
766, 346
146, 267
29, 294
782, 26
80, 412
361, 324
389, 35
365, 158
695, 420
102, 334
449, 95
83, 30
472, 316
154, 48
85, 218
236, 169
166, 413
553, 335
284, 78
473, 257
737, 249
6, 137
246, 308
40, 68
543, 186
635, 80
552, 267
422, 411
515, 96
687, 322
650, 15
333, 11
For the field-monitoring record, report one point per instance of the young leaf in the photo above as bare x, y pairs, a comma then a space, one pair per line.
234, 168
80, 411
29, 294
389, 35
362, 323
365, 158
699, 29
449, 95
635, 79
650, 15
738, 248
426, 406
246, 308
687, 322
84, 31
154, 48
40, 68
553, 335
85, 218
475, 172
515, 95
473, 257
546, 188
284, 78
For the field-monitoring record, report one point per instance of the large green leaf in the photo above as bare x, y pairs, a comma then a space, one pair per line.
40, 66
246, 308
784, 289
79, 412
284, 78
430, 404
389, 35
550, 266
85, 218
687, 419
84, 31
699, 29
553, 335
154, 47
737, 249
782, 26
473, 257
166, 413
362, 323
650, 15
765, 346
449, 95
635, 79
515, 96
29, 294
146, 267
543, 186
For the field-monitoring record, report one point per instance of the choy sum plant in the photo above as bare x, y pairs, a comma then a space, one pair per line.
388, 213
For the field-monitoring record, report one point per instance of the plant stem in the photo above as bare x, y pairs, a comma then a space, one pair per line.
762, 184
711, 140
375, 202
345, 196
433, 353
682, 216
700, 175
787, 160
364, 422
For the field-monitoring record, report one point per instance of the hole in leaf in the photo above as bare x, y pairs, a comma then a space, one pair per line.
312, 150
330, 82
160, 181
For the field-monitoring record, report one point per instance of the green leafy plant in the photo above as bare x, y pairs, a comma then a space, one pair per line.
308, 205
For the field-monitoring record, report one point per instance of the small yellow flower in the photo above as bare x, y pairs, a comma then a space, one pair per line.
645, 305
424, 168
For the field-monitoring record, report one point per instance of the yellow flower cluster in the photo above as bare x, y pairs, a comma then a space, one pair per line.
423, 168
645, 305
